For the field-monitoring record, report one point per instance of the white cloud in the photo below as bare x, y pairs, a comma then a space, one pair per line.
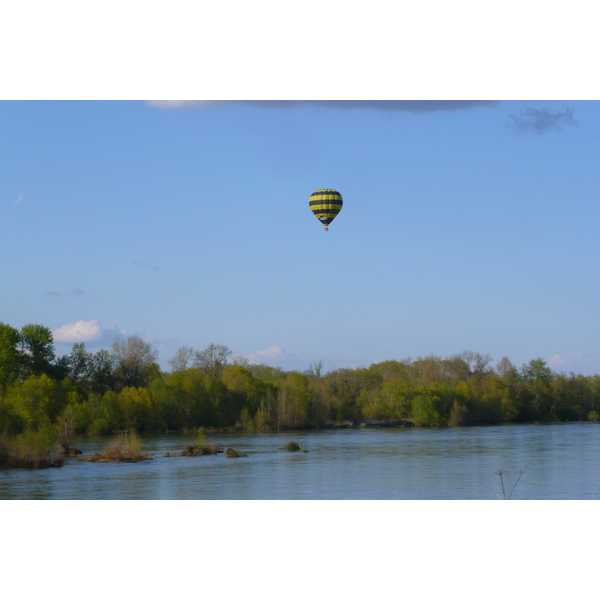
557, 360
276, 356
272, 353
80, 331
19, 199
114, 328
560, 361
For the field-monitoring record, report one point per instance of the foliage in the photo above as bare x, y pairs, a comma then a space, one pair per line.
292, 447
36, 400
135, 405
108, 391
29, 450
123, 447
65, 427
10, 356
37, 351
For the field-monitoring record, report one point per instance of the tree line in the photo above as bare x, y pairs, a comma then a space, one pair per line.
125, 389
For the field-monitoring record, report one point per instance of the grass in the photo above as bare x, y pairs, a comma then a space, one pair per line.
124, 447
29, 450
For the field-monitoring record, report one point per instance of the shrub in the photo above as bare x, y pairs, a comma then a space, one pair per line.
231, 453
423, 412
123, 447
65, 428
291, 447
459, 415
196, 450
99, 426
28, 450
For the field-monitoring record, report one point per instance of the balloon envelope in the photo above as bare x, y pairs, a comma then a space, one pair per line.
325, 205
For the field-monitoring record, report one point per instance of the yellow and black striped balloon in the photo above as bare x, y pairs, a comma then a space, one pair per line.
325, 205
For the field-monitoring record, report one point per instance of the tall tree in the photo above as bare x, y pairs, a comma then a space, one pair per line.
37, 349
315, 370
213, 360
10, 357
537, 370
182, 358
79, 362
100, 369
506, 369
133, 359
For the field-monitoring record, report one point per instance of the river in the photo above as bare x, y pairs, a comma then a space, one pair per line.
559, 462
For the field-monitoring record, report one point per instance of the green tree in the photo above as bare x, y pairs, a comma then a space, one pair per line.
536, 370
346, 386
184, 400
112, 418
135, 405
250, 389
293, 401
79, 363
11, 422
36, 401
11, 359
486, 400
320, 402
225, 406
537, 394
423, 412
100, 371
397, 395
37, 349
571, 397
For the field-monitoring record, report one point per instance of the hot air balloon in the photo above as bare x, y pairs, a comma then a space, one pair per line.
325, 204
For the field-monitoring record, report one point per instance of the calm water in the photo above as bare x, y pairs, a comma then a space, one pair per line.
561, 462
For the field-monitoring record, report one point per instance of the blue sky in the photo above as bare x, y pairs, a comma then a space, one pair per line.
469, 226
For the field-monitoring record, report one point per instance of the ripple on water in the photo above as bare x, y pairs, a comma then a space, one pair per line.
561, 461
